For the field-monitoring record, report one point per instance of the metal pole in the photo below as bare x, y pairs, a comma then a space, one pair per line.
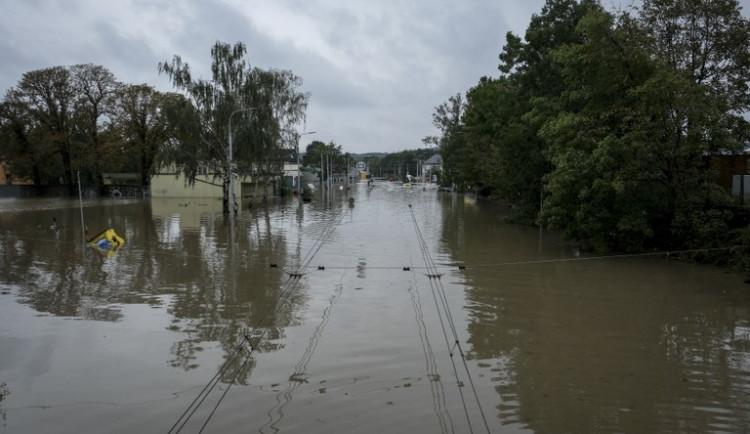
229, 169
230, 173
299, 172
80, 202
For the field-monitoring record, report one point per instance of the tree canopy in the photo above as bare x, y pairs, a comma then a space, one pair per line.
254, 109
601, 124
60, 121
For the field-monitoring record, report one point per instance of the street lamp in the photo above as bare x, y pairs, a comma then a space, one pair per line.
299, 172
230, 172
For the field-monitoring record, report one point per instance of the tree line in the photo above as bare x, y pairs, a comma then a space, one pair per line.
394, 165
60, 121
602, 123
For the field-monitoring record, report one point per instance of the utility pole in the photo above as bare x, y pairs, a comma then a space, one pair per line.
299, 172
230, 171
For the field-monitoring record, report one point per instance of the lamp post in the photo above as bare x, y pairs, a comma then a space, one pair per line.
299, 172
230, 172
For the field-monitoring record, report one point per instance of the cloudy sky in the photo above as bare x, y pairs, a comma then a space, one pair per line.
375, 70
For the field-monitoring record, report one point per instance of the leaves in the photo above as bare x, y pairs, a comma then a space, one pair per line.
610, 118
255, 110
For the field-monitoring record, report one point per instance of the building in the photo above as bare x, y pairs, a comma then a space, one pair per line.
431, 166
6, 178
169, 182
731, 173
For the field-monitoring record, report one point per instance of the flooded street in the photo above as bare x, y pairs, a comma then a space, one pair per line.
391, 309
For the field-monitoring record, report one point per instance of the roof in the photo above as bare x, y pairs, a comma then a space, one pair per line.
434, 160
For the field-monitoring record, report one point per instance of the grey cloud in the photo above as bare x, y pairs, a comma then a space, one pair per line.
375, 71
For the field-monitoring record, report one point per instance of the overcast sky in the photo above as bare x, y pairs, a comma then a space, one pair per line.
375, 70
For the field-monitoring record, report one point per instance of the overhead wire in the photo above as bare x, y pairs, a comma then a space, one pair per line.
248, 340
438, 393
276, 413
461, 266
446, 319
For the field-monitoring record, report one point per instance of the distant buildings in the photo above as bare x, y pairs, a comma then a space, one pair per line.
432, 165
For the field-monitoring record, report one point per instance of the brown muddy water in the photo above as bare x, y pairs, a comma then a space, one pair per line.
377, 317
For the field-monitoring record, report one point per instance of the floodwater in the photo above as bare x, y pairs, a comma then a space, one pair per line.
402, 310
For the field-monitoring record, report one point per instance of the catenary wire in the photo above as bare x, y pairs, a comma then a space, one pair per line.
281, 299
441, 302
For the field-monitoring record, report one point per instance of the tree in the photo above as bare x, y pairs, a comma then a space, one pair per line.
19, 149
630, 138
490, 142
603, 189
532, 81
401, 164
319, 154
317, 149
48, 97
95, 89
457, 161
143, 126
261, 106
703, 49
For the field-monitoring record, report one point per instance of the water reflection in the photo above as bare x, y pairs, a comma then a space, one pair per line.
633, 345
298, 376
555, 344
216, 291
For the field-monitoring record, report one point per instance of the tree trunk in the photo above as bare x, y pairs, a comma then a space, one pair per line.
225, 194
67, 169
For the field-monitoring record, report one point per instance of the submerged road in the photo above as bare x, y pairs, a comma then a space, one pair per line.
385, 309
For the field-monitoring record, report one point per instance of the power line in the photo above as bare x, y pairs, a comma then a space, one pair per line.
247, 337
443, 310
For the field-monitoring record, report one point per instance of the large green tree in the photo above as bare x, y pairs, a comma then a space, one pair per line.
142, 124
325, 156
703, 51
604, 187
508, 162
532, 77
492, 144
21, 149
48, 98
636, 123
316, 151
458, 158
262, 107
95, 89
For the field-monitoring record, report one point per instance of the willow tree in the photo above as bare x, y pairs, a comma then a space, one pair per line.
253, 109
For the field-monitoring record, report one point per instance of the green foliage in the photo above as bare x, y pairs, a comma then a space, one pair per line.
58, 121
491, 145
628, 146
62, 120
44, 99
95, 89
144, 127
610, 119
398, 165
253, 109
316, 151
457, 161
